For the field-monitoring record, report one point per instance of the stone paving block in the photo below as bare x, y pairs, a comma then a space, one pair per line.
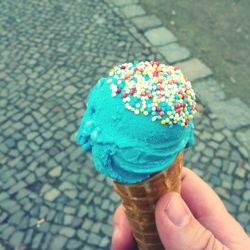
133, 10
244, 136
174, 53
74, 244
208, 91
37, 240
70, 89
16, 238
52, 194
56, 172
160, 36
194, 69
144, 23
58, 242
67, 231
124, 2
39, 122
234, 112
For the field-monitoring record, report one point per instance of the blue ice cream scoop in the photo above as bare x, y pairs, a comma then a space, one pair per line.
137, 120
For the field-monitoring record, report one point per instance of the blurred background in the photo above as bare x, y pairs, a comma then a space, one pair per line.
53, 52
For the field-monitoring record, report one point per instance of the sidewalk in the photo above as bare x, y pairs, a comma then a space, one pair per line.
51, 53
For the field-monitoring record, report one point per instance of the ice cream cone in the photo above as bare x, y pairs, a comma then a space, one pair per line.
140, 199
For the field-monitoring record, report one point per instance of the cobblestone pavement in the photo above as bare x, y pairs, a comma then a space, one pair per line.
51, 53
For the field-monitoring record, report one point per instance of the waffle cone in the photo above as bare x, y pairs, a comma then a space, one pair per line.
140, 199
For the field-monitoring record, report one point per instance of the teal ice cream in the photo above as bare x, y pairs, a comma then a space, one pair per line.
137, 120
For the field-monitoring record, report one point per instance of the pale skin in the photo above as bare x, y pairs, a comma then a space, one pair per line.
196, 220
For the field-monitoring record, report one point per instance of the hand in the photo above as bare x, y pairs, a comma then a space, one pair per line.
196, 219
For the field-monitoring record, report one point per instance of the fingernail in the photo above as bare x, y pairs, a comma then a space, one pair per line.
177, 211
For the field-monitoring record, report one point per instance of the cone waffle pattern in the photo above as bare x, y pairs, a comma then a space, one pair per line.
139, 201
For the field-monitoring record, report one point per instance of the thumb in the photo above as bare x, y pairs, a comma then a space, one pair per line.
177, 227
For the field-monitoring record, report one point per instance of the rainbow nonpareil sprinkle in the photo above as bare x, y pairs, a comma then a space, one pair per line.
156, 90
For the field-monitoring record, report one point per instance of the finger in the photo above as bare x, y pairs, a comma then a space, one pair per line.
177, 227
209, 210
122, 238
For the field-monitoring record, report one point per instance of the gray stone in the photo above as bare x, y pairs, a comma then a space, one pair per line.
222, 153
3, 216
160, 36
58, 242
194, 69
218, 124
74, 244
3, 148
10, 143
200, 147
76, 154
87, 224
71, 193
107, 230
83, 210
68, 219
208, 90
56, 172
208, 152
243, 217
94, 239
37, 241
241, 172
217, 162
17, 187
144, 23
67, 231
174, 53
16, 218
70, 89
3, 196
238, 184
66, 186
244, 137
218, 137
69, 210
82, 235
133, 10
246, 195
104, 242
8, 230
31, 136
16, 238
10, 205
222, 192
232, 108
52, 194
244, 152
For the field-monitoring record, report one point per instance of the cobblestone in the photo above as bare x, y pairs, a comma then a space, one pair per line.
232, 110
52, 194
144, 23
133, 11
208, 90
50, 58
16, 239
165, 38
174, 53
195, 69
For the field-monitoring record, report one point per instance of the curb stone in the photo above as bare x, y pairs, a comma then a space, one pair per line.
193, 68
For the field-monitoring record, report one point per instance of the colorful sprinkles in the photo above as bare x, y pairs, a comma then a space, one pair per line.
154, 89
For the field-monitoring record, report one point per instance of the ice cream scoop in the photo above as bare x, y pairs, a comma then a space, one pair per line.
138, 119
